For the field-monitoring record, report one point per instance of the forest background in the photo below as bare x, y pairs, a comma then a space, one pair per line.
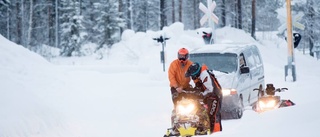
54, 28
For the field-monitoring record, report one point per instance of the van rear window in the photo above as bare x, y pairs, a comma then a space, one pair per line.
226, 62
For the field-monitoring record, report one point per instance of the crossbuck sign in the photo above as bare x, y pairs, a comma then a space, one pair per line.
209, 15
295, 23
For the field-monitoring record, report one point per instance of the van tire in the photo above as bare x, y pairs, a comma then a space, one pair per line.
238, 112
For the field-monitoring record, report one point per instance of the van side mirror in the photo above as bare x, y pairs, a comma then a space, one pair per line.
244, 70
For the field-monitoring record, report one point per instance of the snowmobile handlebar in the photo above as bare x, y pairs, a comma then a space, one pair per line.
281, 89
256, 89
193, 92
190, 91
276, 90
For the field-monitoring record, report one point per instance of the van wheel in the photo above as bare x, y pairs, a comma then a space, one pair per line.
238, 112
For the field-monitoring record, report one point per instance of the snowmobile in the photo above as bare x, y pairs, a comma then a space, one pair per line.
189, 116
269, 101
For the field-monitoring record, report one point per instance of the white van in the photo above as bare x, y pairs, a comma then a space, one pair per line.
239, 70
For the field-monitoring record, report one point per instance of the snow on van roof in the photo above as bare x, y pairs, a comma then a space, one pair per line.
221, 48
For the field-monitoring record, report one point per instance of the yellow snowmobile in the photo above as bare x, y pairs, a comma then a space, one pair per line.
189, 117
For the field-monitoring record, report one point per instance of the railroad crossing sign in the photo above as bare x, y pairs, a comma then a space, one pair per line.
295, 23
209, 15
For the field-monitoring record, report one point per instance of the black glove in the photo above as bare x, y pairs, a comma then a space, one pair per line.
175, 95
197, 89
194, 77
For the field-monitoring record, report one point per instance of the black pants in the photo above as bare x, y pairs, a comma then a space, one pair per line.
214, 107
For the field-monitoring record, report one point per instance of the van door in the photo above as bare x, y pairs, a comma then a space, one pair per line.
259, 78
254, 72
244, 82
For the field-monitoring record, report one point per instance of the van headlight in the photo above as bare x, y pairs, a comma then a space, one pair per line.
226, 91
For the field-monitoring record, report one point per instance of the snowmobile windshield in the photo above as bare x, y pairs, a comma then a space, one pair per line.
223, 62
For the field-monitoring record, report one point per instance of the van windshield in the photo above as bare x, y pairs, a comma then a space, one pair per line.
226, 62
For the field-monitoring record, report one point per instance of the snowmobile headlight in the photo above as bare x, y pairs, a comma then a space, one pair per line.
268, 104
185, 109
227, 92
262, 104
271, 103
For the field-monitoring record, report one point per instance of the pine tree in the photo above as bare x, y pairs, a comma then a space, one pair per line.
153, 15
4, 17
90, 14
140, 14
70, 25
108, 23
266, 18
311, 25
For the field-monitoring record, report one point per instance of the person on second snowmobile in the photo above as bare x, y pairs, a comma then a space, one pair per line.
177, 69
211, 91
270, 89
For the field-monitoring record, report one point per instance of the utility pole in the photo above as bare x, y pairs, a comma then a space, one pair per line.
290, 68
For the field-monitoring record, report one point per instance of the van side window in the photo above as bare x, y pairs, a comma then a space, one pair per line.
242, 61
250, 59
256, 56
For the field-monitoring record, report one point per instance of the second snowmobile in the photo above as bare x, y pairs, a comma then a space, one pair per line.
270, 101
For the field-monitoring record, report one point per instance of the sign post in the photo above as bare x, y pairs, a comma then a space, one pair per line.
290, 68
162, 40
209, 16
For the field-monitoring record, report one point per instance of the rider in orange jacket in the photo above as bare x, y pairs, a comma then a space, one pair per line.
176, 74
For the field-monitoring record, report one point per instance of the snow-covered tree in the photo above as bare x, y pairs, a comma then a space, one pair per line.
140, 12
4, 17
108, 23
163, 17
70, 27
128, 17
311, 11
91, 12
188, 13
311, 26
33, 23
267, 15
4, 5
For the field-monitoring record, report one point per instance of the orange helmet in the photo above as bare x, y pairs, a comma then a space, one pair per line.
183, 54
